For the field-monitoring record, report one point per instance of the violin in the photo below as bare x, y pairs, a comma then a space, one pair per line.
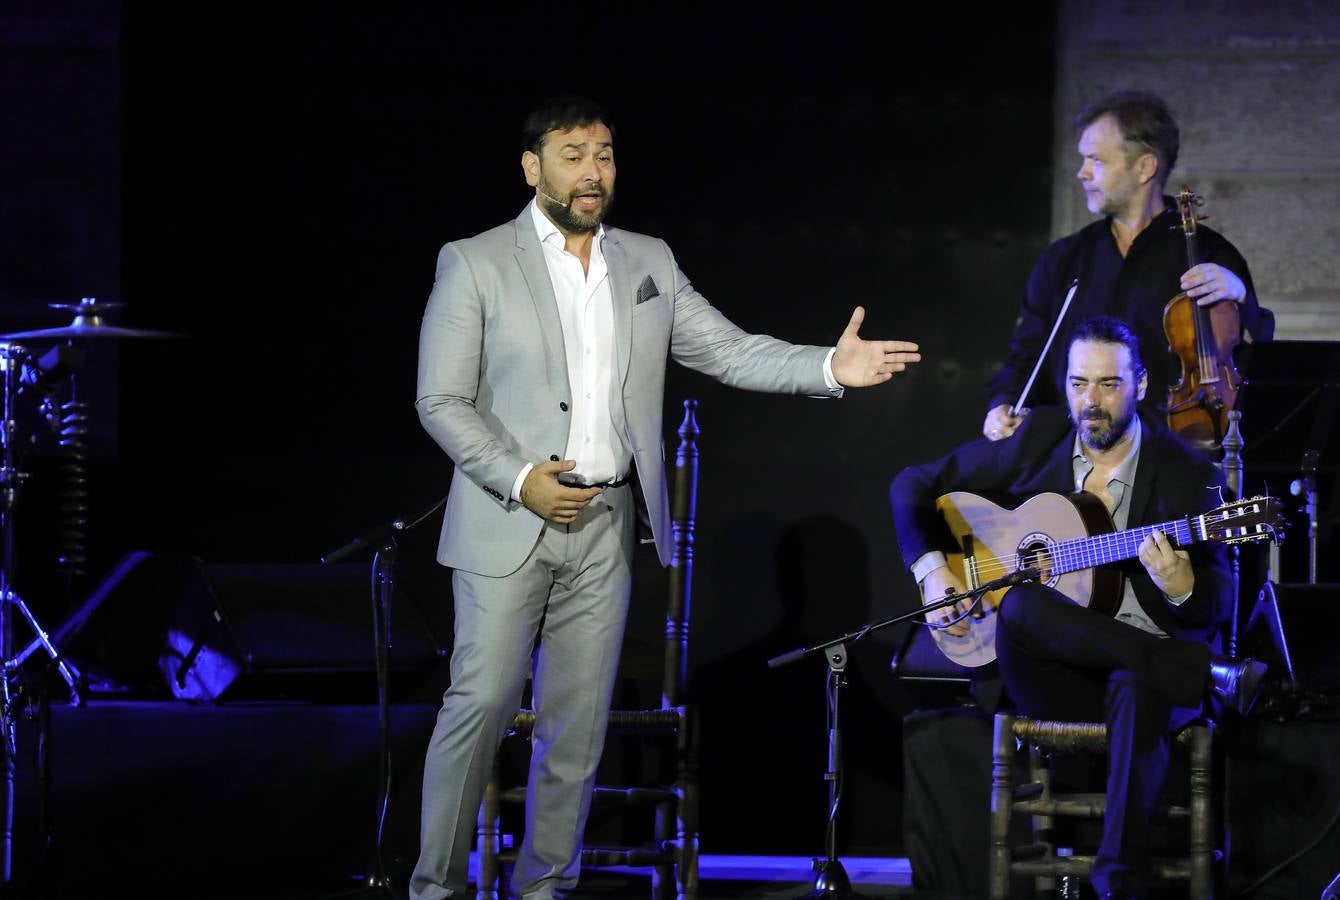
1202, 338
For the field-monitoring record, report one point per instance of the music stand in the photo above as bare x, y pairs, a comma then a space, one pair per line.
1291, 395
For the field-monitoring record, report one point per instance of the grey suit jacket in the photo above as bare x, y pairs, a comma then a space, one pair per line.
493, 379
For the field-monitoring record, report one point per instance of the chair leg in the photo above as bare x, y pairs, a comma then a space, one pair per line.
1002, 800
663, 876
488, 838
687, 869
686, 810
1202, 814
1043, 827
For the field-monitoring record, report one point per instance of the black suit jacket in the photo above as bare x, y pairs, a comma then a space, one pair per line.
1171, 481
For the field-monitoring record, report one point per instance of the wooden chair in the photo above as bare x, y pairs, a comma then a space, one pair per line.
1037, 799
673, 850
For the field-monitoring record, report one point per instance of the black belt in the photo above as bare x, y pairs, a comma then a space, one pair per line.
618, 482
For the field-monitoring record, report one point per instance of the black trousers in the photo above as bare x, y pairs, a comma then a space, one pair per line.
1062, 661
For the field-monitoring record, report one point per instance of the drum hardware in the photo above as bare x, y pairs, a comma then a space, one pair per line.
15, 365
88, 323
23, 375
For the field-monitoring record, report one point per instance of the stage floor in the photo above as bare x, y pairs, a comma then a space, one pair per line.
721, 877
277, 800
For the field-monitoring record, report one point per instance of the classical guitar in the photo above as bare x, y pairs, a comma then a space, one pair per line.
1069, 538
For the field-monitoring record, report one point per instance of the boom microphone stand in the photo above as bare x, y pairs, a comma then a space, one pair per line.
385, 538
831, 880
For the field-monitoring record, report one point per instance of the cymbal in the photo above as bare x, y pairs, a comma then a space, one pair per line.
87, 324
87, 330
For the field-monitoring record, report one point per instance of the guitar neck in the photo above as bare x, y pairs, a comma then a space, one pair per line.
1086, 552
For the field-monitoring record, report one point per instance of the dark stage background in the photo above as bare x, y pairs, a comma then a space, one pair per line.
275, 186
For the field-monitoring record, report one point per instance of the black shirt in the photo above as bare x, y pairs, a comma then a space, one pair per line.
1135, 288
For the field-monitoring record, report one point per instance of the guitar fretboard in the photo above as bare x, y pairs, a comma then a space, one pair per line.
1082, 553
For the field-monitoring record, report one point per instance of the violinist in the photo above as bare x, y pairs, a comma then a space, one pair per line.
1129, 264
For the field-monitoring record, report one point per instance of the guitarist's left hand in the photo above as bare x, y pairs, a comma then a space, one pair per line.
1169, 567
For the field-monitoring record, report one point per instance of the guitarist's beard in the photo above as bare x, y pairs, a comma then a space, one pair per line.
1100, 430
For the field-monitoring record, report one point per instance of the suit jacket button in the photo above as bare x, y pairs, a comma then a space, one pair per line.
553, 457
563, 406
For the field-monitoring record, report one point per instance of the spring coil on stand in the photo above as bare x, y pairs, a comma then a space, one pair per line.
71, 426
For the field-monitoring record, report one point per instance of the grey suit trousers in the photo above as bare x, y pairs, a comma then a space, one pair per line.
571, 594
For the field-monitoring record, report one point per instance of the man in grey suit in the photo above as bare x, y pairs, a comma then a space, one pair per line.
541, 373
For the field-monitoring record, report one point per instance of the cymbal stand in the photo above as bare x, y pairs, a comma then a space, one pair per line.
11, 479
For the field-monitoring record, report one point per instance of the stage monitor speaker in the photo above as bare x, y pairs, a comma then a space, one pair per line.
277, 631
114, 636
1288, 630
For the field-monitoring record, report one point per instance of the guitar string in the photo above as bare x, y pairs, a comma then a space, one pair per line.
1094, 550
1070, 550
1080, 553
1089, 549
1005, 564
1111, 536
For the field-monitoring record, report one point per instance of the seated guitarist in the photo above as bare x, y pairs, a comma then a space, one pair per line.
1145, 671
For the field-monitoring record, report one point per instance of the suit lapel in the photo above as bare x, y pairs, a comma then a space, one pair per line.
621, 294
1060, 467
1057, 471
530, 258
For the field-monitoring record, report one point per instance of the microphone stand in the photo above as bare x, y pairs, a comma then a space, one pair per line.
831, 880
385, 538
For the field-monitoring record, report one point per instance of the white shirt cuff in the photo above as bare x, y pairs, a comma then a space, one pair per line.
928, 563
834, 388
1178, 601
520, 479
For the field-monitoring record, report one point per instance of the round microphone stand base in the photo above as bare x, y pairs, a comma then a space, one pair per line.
831, 882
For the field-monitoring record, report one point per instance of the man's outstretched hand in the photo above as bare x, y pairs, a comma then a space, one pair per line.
861, 363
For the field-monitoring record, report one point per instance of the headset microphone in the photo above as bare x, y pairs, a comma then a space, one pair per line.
549, 197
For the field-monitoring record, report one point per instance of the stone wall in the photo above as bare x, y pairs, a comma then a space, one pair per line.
1255, 89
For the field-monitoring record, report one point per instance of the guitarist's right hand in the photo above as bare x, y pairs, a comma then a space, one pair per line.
935, 586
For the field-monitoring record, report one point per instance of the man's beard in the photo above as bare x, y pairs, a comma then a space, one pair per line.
1111, 207
1119, 203
1116, 206
568, 219
1103, 437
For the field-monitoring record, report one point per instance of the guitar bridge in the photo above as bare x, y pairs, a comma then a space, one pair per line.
970, 575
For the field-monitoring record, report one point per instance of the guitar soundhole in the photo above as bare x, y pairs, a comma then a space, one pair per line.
1034, 551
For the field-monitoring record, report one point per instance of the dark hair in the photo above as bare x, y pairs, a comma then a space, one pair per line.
1144, 120
560, 114
1111, 330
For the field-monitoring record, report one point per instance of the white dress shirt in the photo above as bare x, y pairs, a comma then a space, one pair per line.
586, 310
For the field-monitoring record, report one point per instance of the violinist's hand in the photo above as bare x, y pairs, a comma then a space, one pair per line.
1210, 282
933, 588
1001, 422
